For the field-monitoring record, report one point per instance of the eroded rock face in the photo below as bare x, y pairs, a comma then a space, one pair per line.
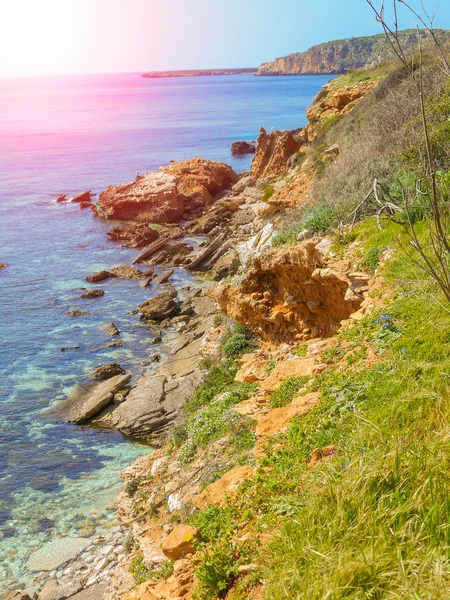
273, 152
181, 188
290, 295
332, 103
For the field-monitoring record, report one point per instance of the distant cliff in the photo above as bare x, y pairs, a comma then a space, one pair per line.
343, 55
197, 73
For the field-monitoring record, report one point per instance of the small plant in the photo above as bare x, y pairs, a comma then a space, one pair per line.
269, 190
132, 487
218, 320
187, 452
371, 259
236, 341
287, 391
301, 350
270, 366
217, 571
139, 570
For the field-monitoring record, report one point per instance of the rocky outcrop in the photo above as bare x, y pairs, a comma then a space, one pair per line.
173, 192
127, 272
338, 102
242, 148
344, 55
83, 197
291, 294
273, 152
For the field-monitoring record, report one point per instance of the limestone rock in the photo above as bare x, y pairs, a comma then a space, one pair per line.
180, 542
93, 294
126, 272
160, 307
278, 419
98, 276
57, 552
228, 264
242, 148
226, 486
273, 152
53, 590
107, 371
81, 406
165, 196
111, 329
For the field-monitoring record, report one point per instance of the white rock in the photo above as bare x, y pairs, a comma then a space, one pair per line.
102, 564
106, 550
173, 502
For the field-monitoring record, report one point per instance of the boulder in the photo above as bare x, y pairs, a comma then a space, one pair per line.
54, 590
62, 198
165, 196
107, 371
83, 197
98, 276
93, 294
111, 329
273, 152
94, 592
81, 406
3, 266
160, 307
241, 148
180, 542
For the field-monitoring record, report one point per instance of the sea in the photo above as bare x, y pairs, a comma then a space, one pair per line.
65, 135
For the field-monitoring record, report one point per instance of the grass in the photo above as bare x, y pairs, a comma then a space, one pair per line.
287, 391
269, 191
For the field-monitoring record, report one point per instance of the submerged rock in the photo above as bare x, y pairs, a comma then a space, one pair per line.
93, 294
77, 313
57, 552
127, 272
107, 371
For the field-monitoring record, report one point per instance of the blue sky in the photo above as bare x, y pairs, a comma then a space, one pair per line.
81, 36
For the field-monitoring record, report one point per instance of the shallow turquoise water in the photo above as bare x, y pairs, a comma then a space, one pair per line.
65, 135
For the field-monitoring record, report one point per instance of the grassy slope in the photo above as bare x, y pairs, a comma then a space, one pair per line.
374, 522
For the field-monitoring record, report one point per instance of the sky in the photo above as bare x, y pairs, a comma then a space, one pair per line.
50, 37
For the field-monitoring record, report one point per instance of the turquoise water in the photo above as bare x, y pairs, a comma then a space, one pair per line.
66, 135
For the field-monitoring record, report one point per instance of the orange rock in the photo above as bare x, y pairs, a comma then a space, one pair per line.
226, 486
304, 301
253, 368
141, 592
278, 419
165, 196
180, 542
273, 152
294, 367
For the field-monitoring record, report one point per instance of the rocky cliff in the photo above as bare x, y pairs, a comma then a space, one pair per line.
343, 55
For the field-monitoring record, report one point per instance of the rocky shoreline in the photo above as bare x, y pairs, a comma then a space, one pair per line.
202, 217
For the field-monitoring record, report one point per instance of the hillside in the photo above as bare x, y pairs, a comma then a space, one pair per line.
342, 55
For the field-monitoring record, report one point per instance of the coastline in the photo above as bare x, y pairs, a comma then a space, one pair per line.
236, 223
198, 73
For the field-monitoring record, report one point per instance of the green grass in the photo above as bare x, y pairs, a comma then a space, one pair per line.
287, 391
269, 191
236, 341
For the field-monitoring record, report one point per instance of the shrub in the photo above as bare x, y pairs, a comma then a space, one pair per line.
217, 570
319, 219
371, 259
236, 341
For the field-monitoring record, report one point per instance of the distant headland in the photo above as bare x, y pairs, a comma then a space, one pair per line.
198, 73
